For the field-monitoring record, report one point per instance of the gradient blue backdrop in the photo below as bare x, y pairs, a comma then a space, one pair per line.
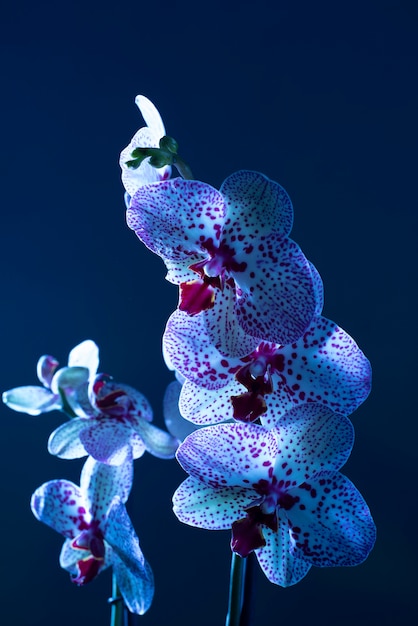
320, 96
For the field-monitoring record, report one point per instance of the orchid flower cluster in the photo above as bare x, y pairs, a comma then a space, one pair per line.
258, 412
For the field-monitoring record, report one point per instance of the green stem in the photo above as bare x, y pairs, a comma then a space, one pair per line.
119, 613
183, 169
236, 590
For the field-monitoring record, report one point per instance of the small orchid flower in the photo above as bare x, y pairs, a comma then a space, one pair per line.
120, 428
98, 531
146, 137
279, 491
236, 236
63, 389
325, 365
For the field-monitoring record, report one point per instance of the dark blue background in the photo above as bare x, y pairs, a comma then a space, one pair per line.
320, 96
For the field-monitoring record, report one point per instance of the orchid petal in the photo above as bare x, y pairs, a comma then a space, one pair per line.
203, 407
101, 483
61, 505
244, 454
173, 217
331, 524
151, 115
276, 297
198, 504
256, 204
85, 354
318, 288
175, 423
325, 366
65, 442
142, 407
277, 560
191, 351
69, 379
32, 400
158, 442
46, 368
137, 446
178, 271
133, 573
107, 440
311, 438
222, 328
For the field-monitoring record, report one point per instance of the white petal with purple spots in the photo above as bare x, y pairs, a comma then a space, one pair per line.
173, 218
200, 505
331, 523
255, 204
61, 505
204, 407
311, 438
277, 560
244, 454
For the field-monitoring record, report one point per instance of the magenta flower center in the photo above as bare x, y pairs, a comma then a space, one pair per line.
91, 540
256, 376
199, 295
247, 533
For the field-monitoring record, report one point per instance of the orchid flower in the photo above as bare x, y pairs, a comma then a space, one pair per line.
325, 365
119, 430
146, 137
98, 532
63, 389
279, 491
236, 236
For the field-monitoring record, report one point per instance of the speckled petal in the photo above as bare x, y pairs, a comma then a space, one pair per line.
325, 366
277, 298
205, 407
319, 289
32, 400
192, 353
222, 329
101, 483
107, 440
311, 438
65, 442
255, 204
133, 573
173, 217
276, 559
335, 527
61, 505
200, 505
228, 454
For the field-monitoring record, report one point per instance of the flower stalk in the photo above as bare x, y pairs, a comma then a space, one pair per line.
119, 615
236, 590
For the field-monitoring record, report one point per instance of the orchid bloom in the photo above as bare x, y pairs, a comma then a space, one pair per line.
63, 389
146, 137
98, 532
325, 365
236, 237
279, 491
120, 429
